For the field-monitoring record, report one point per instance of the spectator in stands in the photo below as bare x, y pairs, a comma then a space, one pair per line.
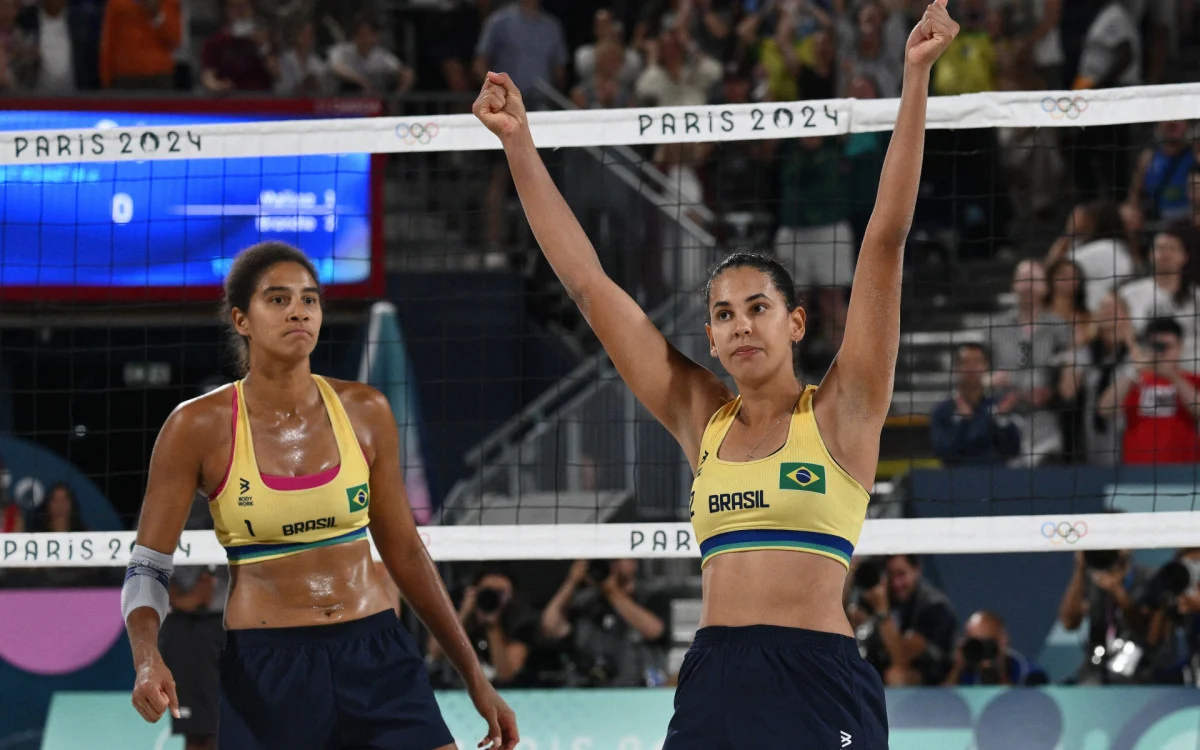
970, 427
740, 177
818, 77
64, 44
1167, 292
59, 512
914, 623
16, 54
1111, 56
302, 72
708, 22
1028, 344
498, 625
450, 40
1112, 50
985, 657
1097, 436
137, 44
1065, 298
862, 156
677, 74
793, 49
1159, 189
815, 239
863, 49
1154, 20
1159, 401
12, 520
362, 66
1189, 610
604, 88
239, 57
613, 632
527, 43
969, 65
1097, 239
1106, 587
607, 28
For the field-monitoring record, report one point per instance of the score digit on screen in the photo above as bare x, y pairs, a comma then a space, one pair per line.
122, 208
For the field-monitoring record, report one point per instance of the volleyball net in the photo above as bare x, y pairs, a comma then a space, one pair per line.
520, 442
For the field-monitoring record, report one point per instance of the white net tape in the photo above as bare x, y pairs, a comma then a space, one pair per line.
607, 127
1030, 533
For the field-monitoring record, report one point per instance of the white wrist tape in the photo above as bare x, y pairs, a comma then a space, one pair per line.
146, 582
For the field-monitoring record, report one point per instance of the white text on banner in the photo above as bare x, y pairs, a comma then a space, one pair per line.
1057, 533
598, 127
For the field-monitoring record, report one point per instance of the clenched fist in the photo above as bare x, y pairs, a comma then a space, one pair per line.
499, 106
931, 36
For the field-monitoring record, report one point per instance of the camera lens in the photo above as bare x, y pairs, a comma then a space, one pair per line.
977, 650
487, 601
868, 575
1101, 559
598, 570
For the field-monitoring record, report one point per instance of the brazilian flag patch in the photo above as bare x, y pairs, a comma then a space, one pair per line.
359, 497
803, 477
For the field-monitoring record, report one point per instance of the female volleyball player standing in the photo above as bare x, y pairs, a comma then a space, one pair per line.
779, 468
297, 468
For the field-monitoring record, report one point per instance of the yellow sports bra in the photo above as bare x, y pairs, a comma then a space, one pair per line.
259, 518
798, 498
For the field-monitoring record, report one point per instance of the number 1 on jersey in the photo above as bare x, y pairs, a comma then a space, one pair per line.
249, 527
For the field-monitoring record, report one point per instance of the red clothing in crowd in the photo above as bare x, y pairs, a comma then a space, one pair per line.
238, 60
1158, 429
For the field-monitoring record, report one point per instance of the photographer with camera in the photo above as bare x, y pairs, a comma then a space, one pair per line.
1170, 599
984, 656
499, 628
905, 625
1158, 400
1110, 589
610, 633
1189, 611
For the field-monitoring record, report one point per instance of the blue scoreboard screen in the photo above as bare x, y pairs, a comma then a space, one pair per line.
174, 226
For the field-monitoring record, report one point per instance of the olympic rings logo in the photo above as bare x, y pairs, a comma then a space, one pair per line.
1064, 531
417, 133
1065, 106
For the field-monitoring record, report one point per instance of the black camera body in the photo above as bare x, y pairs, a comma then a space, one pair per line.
599, 570
978, 650
1101, 559
868, 574
489, 600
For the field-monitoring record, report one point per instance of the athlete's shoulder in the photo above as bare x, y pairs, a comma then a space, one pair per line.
203, 421
212, 408
362, 402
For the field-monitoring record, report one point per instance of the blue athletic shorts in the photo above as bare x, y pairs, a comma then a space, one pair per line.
358, 684
765, 686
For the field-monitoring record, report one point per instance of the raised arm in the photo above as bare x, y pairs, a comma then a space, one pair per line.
680, 393
862, 374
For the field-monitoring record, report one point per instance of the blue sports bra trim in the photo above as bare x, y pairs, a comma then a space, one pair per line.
760, 538
251, 551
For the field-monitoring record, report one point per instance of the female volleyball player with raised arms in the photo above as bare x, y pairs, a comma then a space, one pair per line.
779, 468
297, 468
